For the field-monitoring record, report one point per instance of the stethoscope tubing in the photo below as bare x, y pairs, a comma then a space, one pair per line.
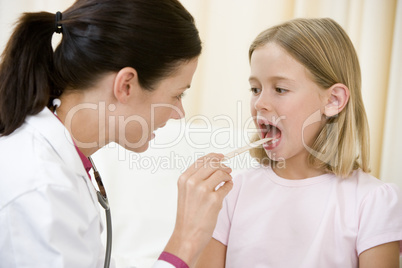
104, 202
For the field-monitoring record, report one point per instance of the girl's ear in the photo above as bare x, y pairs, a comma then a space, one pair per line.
337, 100
125, 84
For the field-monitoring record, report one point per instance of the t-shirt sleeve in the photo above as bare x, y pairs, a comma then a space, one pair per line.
223, 225
221, 232
380, 218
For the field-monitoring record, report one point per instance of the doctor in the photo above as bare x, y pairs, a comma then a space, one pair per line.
117, 61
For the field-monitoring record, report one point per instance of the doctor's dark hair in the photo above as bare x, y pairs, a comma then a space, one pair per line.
98, 37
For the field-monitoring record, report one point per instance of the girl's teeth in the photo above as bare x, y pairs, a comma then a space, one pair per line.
273, 141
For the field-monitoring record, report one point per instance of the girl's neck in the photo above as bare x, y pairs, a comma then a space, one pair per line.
293, 169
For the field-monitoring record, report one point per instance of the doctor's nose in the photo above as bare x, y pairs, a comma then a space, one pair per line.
178, 112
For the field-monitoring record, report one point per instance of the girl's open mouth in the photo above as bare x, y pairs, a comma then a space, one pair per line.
268, 130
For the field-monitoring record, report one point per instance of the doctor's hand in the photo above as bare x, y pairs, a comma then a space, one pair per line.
198, 206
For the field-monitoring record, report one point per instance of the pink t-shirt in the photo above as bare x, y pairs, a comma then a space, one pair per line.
324, 221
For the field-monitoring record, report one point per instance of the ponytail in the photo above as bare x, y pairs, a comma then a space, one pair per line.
26, 70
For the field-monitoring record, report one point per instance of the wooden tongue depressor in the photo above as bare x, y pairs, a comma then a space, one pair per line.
246, 148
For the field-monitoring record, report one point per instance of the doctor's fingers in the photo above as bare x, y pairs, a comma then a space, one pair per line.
205, 189
224, 190
205, 166
209, 175
217, 179
215, 188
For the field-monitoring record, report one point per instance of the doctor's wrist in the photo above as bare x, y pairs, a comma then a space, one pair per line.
187, 251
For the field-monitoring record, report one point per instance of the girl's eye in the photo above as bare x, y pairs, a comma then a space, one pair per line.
255, 90
280, 90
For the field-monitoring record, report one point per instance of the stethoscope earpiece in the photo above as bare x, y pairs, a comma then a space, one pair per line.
56, 103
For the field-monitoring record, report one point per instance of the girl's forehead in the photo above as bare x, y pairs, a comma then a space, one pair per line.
273, 60
272, 52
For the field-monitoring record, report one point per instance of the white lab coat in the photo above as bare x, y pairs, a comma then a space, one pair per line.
49, 213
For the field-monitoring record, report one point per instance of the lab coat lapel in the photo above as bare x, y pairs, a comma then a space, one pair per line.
60, 139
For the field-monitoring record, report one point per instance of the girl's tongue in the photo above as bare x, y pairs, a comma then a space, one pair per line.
272, 132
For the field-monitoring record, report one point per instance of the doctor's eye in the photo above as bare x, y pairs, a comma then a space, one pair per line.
180, 96
255, 90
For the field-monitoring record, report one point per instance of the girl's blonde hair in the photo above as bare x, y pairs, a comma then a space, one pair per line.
324, 48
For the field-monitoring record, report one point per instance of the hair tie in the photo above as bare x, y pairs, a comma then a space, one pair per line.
59, 28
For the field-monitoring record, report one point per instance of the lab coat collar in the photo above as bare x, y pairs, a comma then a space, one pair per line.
48, 125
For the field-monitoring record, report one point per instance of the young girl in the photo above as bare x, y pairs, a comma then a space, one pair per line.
312, 202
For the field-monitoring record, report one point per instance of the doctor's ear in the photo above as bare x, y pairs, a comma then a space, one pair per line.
337, 99
125, 84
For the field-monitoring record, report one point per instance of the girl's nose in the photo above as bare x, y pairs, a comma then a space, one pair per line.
262, 102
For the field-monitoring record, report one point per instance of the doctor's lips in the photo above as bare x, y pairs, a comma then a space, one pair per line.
269, 130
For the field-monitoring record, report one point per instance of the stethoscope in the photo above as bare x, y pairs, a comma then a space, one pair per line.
102, 199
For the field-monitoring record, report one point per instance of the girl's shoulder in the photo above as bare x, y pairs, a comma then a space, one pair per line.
366, 184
